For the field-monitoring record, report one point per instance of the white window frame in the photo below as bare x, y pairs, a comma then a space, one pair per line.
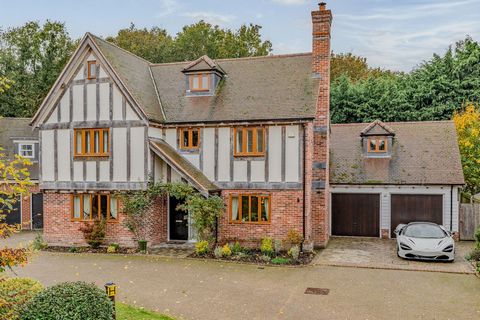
21, 144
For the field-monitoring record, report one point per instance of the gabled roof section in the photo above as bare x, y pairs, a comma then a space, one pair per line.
203, 63
183, 166
135, 74
377, 128
422, 153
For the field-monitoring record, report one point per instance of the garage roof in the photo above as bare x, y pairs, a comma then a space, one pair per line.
423, 153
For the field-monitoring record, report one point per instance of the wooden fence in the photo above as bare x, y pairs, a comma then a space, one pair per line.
469, 220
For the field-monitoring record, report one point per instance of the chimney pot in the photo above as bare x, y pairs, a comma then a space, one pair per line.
323, 5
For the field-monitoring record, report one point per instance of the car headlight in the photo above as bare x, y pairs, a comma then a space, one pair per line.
448, 248
405, 246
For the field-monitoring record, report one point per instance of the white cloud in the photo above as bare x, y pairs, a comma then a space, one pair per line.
167, 7
211, 17
291, 2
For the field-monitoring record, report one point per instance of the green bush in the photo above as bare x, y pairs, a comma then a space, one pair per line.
294, 252
267, 247
113, 248
94, 232
236, 248
72, 249
280, 260
474, 255
218, 252
477, 237
201, 247
69, 300
278, 246
14, 293
38, 243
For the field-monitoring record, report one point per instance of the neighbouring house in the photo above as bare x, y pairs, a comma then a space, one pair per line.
17, 138
253, 130
384, 174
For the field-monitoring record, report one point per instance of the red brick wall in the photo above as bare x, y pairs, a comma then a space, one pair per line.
26, 207
59, 229
286, 213
319, 198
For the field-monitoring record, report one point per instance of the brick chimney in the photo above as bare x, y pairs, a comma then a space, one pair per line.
321, 25
318, 136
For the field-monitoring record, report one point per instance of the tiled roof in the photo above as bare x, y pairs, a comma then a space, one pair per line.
17, 129
182, 165
422, 153
255, 88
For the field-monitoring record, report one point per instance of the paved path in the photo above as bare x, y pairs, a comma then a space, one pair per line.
194, 289
380, 253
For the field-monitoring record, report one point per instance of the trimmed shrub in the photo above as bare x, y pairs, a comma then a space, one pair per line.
267, 247
38, 243
218, 252
236, 248
294, 238
113, 248
69, 300
201, 247
94, 232
294, 252
477, 237
278, 246
226, 251
474, 255
14, 294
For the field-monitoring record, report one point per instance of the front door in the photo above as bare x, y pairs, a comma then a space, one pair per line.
37, 210
178, 221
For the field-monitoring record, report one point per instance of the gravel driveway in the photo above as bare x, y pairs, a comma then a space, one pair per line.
381, 254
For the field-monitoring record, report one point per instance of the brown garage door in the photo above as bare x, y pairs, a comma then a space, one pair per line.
355, 214
416, 207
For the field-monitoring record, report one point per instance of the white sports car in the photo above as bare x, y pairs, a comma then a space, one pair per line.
424, 241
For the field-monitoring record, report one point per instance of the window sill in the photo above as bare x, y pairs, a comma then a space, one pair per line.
249, 223
91, 158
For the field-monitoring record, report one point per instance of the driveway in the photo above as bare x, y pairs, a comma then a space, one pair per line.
194, 289
381, 254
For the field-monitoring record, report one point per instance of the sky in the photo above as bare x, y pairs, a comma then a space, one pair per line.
395, 35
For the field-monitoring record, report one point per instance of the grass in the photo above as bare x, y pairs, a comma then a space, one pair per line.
127, 312
280, 260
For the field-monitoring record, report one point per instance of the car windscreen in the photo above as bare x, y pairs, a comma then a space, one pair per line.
424, 231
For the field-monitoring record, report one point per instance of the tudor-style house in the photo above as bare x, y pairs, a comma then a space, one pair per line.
254, 130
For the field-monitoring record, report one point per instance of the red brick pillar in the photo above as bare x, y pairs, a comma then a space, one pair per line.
320, 224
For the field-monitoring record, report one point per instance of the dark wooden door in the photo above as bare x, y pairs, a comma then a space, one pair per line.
13, 216
178, 221
355, 214
415, 208
37, 210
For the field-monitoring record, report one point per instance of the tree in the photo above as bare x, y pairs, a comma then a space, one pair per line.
467, 123
32, 56
354, 67
195, 40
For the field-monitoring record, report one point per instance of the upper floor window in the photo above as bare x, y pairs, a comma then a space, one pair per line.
199, 82
189, 138
91, 142
377, 145
249, 141
250, 208
26, 150
86, 207
92, 69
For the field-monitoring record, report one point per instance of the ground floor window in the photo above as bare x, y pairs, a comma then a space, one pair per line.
87, 207
250, 208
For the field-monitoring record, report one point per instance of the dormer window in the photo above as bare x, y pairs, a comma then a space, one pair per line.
92, 69
199, 82
377, 145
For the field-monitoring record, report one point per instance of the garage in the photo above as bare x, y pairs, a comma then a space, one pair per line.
355, 214
14, 216
407, 208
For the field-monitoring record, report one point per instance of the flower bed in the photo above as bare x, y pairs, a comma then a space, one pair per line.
119, 250
257, 257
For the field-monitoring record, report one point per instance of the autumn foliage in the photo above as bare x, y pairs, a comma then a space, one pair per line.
14, 181
467, 123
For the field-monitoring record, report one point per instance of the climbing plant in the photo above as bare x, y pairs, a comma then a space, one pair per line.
204, 210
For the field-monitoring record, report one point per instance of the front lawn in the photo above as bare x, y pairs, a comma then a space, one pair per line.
126, 312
